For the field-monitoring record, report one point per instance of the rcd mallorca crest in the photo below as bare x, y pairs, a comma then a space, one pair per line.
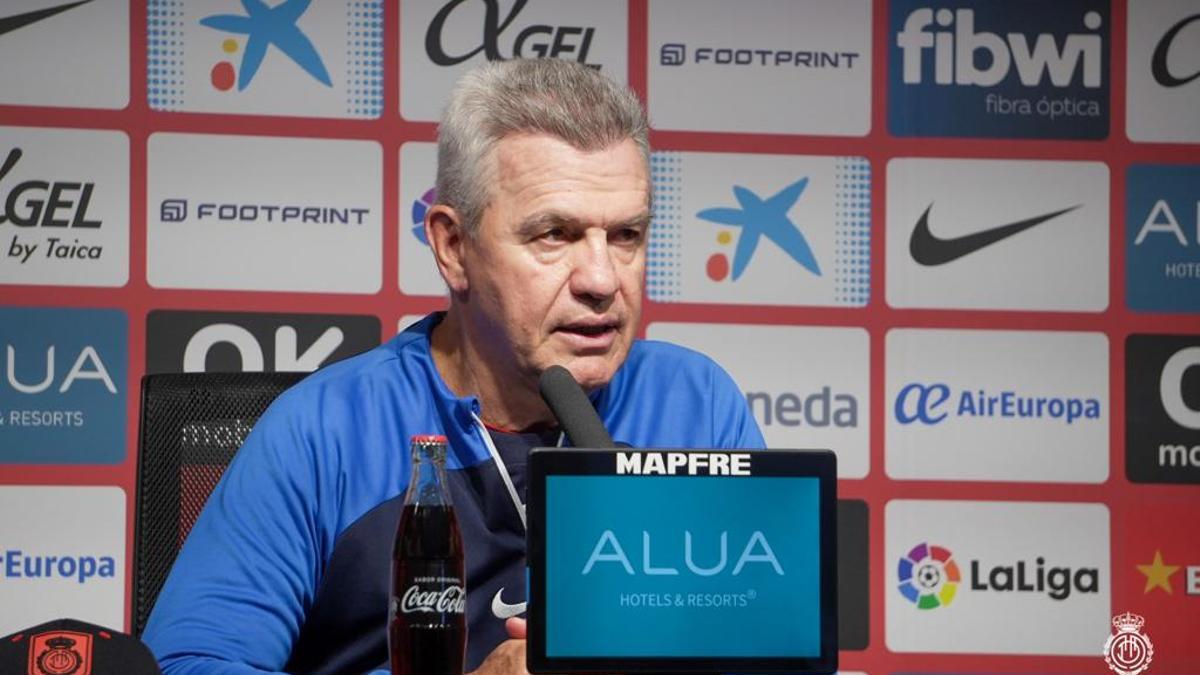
60, 653
1128, 651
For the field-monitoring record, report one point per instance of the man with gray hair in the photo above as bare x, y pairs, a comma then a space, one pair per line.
540, 232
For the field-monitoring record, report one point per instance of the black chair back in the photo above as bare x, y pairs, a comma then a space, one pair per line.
192, 425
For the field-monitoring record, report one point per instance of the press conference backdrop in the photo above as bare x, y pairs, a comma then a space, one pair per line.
956, 241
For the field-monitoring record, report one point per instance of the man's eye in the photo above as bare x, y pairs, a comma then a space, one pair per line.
628, 235
555, 234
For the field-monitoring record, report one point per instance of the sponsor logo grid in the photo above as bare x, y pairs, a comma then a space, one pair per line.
945, 316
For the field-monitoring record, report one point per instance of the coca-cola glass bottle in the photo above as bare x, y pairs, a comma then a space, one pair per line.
427, 620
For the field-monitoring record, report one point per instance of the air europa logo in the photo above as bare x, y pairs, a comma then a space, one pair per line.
540, 40
931, 404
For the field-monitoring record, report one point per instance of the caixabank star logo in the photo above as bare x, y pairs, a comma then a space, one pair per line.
296, 57
760, 229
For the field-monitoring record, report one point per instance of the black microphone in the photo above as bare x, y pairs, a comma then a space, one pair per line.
573, 410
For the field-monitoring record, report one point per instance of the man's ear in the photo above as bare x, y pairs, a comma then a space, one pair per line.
443, 229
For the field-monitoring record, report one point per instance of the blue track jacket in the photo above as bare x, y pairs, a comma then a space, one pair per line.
288, 567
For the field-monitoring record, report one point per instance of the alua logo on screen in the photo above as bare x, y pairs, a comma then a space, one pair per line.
929, 576
932, 403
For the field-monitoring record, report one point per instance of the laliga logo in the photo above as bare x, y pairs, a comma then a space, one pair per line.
615, 553
1128, 651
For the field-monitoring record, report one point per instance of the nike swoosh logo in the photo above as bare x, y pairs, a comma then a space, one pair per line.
929, 249
503, 610
10, 23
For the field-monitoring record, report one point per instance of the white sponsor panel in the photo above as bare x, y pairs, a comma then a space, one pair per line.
1163, 71
320, 59
805, 65
418, 173
408, 320
62, 553
64, 207
997, 234
77, 57
265, 214
997, 406
798, 401
997, 577
440, 40
760, 229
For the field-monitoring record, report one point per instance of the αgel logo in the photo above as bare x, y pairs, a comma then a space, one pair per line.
1160, 65
926, 403
48, 204
538, 40
1023, 69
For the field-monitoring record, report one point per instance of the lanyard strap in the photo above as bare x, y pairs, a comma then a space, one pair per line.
503, 469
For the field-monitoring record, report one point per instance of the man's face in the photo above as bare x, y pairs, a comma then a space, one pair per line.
554, 275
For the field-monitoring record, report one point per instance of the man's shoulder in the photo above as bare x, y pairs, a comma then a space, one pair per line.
387, 366
659, 355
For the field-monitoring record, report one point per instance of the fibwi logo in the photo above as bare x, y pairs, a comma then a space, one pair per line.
929, 576
1162, 238
796, 230
294, 57
1021, 69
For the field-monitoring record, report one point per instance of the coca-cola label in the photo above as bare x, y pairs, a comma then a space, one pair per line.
442, 595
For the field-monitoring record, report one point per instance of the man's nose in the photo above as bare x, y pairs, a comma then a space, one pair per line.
595, 273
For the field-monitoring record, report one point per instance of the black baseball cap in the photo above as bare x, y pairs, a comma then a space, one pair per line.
73, 647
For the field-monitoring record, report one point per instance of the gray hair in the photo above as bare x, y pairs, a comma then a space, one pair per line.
563, 99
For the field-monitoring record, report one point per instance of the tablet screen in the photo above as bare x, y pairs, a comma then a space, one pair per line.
662, 569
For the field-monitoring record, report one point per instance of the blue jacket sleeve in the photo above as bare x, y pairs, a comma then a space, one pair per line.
236, 597
732, 422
